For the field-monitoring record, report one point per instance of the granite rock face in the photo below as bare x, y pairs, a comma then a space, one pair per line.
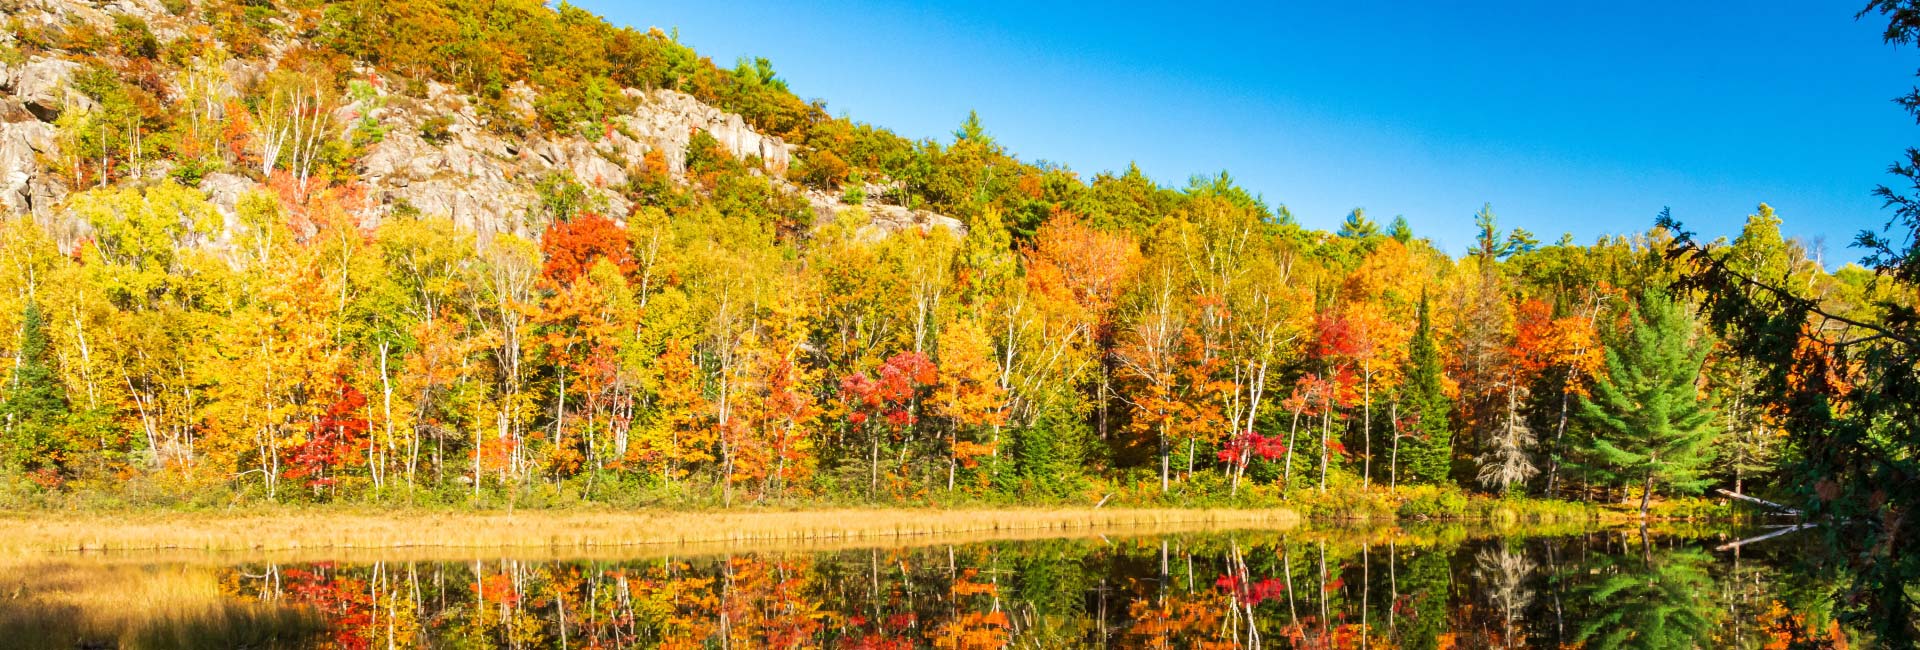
436, 154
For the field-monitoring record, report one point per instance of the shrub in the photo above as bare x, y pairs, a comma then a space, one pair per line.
1690, 508
437, 130
1431, 502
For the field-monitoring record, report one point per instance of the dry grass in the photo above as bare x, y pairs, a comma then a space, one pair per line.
37, 533
78, 603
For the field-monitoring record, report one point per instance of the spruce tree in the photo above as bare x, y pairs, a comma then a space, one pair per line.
1427, 453
1649, 421
36, 404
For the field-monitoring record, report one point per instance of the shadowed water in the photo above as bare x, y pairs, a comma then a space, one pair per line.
1419, 587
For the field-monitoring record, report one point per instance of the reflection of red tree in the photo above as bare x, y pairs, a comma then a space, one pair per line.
1252, 593
498, 588
345, 602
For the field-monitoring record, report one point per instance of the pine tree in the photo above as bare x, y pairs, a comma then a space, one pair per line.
1427, 453
36, 404
1358, 226
1648, 418
1400, 231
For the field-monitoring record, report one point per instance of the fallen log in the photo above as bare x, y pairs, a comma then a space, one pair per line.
1759, 501
1759, 538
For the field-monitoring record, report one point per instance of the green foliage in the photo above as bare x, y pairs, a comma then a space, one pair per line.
1432, 503
1399, 230
435, 129
1427, 582
1650, 603
1650, 421
133, 39
1050, 454
140, 238
188, 173
1693, 509
1358, 226
856, 192
562, 197
35, 408
1426, 452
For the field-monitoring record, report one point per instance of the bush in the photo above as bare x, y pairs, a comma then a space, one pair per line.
1690, 508
189, 172
819, 169
1523, 509
437, 130
1344, 503
1431, 502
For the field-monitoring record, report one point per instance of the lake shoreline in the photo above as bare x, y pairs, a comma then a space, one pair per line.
291, 529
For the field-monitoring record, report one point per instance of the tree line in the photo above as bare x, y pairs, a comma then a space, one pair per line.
1219, 352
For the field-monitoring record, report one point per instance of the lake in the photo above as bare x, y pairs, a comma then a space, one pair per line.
1431, 586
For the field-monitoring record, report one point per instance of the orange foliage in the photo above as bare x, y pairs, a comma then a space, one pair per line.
571, 246
1075, 264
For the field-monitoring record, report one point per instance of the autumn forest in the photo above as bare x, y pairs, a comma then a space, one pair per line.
432, 255
1074, 339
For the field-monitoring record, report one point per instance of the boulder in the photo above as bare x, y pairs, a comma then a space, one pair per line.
886, 220
224, 190
41, 86
24, 188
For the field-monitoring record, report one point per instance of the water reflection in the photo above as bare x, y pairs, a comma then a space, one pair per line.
1440, 587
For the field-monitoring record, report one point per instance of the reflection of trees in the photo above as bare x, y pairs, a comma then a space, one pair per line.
1503, 574
1772, 607
1240, 591
1421, 613
1661, 599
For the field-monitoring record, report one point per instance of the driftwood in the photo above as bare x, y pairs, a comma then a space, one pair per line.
1758, 538
1761, 502
1103, 501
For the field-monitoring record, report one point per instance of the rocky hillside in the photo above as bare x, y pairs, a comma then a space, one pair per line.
408, 144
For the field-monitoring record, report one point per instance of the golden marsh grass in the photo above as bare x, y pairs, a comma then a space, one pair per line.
291, 529
79, 603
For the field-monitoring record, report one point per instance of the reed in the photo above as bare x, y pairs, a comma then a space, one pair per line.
275, 530
79, 603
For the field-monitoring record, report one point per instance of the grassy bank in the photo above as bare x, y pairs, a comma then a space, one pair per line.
574, 527
331, 528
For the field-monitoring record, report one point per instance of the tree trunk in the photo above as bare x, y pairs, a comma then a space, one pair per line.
1559, 432
1164, 460
1286, 473
1646, 494
1366, 431
1393, 461
560, 411
1191, 443
1326, 433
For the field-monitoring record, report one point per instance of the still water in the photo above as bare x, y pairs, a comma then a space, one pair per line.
1421, 587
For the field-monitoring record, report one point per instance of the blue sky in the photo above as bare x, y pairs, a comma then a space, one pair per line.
1567, 117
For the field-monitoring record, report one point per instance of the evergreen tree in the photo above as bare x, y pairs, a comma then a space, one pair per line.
36, 405
1648, 418
1400, 230
1358, 226
1427, 453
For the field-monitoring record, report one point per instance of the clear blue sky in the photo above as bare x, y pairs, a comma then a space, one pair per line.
1566, 116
